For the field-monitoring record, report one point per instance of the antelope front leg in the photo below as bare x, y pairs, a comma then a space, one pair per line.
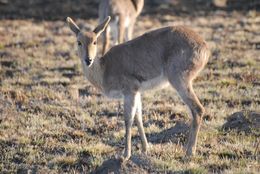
129, 32
129, 113
139, 122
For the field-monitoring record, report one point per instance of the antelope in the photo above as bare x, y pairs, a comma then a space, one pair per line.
172, 55
123, 16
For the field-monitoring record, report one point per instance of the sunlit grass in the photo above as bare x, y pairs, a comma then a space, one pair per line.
53, 121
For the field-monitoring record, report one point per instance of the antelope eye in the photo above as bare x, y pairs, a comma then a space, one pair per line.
95, 42
79, 43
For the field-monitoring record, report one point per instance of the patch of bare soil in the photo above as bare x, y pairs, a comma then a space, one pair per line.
243, 121
116, 166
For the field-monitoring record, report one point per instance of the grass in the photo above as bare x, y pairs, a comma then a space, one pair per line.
53, 121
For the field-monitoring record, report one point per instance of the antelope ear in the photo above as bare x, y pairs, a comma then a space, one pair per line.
73, 26
101, 27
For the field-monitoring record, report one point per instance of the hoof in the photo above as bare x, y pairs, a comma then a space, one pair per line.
190, 149
124, 159
145, 148
190, 152
144, 151
186, 159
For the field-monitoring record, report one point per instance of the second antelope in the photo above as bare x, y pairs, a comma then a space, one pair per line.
123, 16
170, 55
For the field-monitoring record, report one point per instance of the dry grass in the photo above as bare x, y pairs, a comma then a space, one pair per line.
53, 121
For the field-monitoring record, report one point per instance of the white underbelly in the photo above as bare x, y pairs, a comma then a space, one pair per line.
155, 83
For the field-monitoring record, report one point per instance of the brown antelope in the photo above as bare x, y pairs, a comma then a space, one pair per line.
123, 16
170, 55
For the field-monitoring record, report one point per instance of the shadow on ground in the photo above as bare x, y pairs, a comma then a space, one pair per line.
176, 134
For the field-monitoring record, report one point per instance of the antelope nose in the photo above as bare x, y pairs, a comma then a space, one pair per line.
88, 61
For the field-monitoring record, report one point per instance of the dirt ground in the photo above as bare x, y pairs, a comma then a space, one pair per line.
53, 121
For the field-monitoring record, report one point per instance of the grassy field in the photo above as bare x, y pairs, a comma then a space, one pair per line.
53, 121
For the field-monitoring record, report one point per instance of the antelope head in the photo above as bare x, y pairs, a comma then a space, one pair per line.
87, 42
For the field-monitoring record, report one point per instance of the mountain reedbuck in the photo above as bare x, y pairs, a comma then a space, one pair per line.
123, 16
170, 55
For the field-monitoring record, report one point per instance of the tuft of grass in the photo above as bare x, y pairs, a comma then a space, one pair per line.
228, 82
2, 46
228, 155
99, 149
64, 161
199, 170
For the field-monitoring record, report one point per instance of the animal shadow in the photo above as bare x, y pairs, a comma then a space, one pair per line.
176, 134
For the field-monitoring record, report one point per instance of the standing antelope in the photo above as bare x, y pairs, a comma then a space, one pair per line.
123, 16
173, 55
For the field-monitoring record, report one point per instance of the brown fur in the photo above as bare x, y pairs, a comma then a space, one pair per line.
173, 55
